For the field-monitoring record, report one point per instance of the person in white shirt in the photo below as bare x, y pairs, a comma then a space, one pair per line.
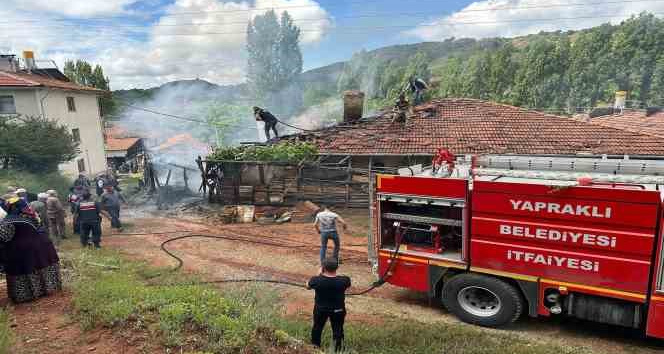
326, 225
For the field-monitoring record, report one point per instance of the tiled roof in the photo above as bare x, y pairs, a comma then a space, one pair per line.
117, 132
120, 144
22, 79
633, 121
182, 139
475, 127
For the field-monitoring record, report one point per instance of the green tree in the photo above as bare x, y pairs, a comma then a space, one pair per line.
35, 144
274, 61
81, 72
224, 118
657, 88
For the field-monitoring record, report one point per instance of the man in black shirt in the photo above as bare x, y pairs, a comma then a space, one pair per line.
269, 119
330, 302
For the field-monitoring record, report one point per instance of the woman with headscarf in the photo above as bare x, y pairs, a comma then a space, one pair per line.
27, 254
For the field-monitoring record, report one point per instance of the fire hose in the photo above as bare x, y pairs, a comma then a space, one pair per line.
383, 278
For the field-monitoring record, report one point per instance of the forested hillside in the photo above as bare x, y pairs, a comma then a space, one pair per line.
559, 71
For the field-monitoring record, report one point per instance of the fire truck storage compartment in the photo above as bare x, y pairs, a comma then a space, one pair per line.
408, 273
424, 225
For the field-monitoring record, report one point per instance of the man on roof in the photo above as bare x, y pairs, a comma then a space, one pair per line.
417, 86
269, 119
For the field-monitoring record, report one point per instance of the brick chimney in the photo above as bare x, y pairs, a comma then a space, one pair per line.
353, 106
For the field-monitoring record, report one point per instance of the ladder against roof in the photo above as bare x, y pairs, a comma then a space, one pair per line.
569, 168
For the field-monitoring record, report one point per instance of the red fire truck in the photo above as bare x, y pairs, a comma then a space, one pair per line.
545, 236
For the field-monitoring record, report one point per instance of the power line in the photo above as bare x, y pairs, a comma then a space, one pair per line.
504, 8
362, 28
369, 15
173, 116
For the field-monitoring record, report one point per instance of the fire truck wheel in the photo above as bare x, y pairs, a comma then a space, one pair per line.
482, 300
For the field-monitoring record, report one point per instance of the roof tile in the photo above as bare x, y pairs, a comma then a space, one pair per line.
23, 79
475, 126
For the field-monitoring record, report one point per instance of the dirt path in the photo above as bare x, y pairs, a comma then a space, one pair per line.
44, 326
223, 259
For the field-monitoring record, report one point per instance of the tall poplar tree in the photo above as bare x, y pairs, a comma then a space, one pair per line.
274, 60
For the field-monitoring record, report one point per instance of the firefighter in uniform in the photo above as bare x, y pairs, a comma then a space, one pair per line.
269, 119
400, 110
417, 86
89, 217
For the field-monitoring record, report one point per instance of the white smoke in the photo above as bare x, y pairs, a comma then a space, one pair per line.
173, 143
320, 116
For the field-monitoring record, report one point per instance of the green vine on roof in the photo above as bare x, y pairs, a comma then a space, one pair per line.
284, 152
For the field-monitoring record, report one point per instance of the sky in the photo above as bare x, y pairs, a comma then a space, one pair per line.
145, 43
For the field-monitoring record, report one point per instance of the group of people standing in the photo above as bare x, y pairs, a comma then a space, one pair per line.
87, 211
27, 255
31, 225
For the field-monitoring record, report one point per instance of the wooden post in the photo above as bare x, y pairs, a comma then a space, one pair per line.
371, 249
168, 177
349, 179
203, 187
186, 179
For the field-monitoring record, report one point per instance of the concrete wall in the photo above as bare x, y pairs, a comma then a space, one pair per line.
25, 101
86, 118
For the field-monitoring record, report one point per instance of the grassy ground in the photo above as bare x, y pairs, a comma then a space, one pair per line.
34, 183
111, 291
6, 334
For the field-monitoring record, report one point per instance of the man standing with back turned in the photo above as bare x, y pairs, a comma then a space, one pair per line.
326, 225
269, 119
330, 302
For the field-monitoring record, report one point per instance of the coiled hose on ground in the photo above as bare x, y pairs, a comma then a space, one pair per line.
180, 263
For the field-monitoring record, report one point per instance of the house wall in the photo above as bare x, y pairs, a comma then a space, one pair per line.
24, 100
86, 118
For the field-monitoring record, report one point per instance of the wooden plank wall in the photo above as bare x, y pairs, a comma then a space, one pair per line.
251, 183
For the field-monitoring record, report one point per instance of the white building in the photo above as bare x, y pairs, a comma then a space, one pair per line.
47, 93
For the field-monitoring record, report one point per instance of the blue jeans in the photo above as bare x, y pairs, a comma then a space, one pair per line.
324, 236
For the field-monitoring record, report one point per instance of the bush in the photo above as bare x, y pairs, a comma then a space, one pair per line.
33, 182
35, 144
284, 152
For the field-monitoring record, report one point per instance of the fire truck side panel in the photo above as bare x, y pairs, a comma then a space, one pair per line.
575, 235
594, 192
579, 211
655, 324
561, 236
423, 186
408, 272
625, 274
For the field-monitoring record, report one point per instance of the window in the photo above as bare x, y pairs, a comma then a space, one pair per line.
76, 135
7, 105
71, 105
81, 165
